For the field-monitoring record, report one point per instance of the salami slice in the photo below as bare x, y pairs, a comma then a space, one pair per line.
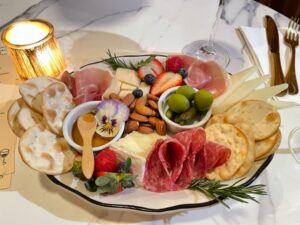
164, 165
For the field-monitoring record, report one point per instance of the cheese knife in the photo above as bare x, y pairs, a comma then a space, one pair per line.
276, 73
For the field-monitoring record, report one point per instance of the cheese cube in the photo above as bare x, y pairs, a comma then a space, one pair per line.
128, 87
145, 88
128, 76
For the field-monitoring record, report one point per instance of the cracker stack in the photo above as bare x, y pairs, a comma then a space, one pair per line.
37, 118
251, 130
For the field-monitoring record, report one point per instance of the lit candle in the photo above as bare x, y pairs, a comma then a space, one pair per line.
33, 48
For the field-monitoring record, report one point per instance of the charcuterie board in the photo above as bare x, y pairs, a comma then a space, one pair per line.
151, 132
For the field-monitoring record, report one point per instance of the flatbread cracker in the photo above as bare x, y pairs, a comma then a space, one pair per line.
57, 103
231, 137
31, 90
218, 118
257, 116
272, 150
265, 145
43, 151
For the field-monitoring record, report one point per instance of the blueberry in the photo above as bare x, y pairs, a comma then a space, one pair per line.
149, 79
90, 185
137, 93
183, 72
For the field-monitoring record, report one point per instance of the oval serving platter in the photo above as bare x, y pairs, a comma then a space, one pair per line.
143, 201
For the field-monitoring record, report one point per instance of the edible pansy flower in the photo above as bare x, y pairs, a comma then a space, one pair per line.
110, 115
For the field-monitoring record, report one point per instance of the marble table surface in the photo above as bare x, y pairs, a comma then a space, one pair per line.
85, 29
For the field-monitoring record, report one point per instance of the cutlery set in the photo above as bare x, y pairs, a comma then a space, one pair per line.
291, 38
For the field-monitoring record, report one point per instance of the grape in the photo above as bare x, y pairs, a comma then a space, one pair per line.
178, 103
203, 100
187, 91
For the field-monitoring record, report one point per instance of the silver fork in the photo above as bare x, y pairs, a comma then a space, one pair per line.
291, 37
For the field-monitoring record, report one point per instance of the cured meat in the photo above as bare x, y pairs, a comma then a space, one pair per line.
173, 163
161, 166
213, 155
88, 84
207, 75
187, 60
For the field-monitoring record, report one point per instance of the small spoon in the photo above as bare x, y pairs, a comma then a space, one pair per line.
86, 124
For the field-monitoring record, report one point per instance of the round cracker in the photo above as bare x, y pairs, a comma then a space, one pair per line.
57, 103
273, 149
219, 118
43, 151
232, 138
258, 116
248, 163
31, 89
12, 117
266, 145
28, 118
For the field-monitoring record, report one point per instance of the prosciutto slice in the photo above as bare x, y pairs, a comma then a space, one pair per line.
88, 84
173, 163
207, 75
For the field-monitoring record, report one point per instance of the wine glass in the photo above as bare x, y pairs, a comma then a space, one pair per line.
209, 49
294, 143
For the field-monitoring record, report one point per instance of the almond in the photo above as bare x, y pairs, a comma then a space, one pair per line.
152, 97
152, 104
161, 127
131, 125
145, 130
138, 117
132, 105
128, 99
142, 109
153, 120
114, 96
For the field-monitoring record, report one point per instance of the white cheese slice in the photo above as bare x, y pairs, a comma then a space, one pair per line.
128, 76
137, 146
145, 88
267, 92
236, 81
239, 94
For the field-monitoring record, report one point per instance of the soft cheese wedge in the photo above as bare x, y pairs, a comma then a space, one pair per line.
136, 146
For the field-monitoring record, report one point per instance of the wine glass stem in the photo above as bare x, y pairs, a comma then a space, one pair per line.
209, 49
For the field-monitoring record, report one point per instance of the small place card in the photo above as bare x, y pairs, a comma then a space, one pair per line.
8, 138
5, 181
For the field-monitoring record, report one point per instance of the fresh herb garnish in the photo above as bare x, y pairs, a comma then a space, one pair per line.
124, 167
218, 191
114, 62
112, 183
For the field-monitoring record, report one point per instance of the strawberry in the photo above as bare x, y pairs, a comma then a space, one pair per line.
165, 81
106, 161
155, 67
174, 64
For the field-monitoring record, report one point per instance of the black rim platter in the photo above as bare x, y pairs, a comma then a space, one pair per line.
145, 209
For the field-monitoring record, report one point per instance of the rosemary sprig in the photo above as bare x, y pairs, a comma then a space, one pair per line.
218, 191
114, 62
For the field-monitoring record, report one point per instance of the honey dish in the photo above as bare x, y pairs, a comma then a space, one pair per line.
71, 133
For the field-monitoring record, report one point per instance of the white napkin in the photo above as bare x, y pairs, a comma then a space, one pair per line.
256, 41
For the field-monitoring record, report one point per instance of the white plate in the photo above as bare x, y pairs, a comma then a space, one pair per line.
141, 200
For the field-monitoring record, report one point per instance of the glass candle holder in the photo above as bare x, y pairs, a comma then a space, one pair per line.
33, 48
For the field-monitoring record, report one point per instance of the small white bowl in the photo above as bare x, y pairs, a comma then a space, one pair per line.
172, 126
73, 116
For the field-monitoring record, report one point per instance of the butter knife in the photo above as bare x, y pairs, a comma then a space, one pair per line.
276, 73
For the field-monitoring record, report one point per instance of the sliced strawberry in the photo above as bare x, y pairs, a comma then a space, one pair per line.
165, 81
144, 70
106, 160
155, 67
174, 64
